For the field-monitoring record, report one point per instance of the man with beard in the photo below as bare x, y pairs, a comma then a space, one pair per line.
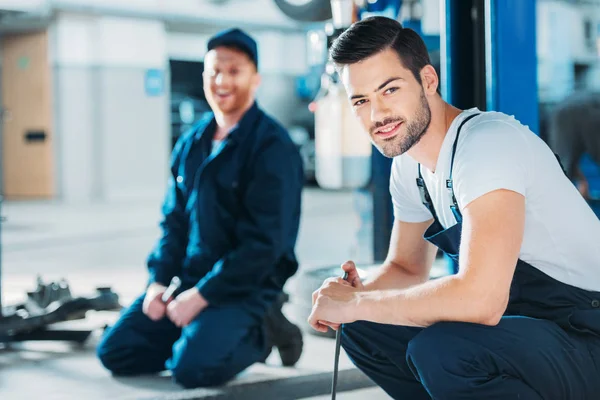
521, 318
231, 218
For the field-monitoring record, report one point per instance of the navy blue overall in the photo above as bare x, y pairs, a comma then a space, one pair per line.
546, 346
229, 228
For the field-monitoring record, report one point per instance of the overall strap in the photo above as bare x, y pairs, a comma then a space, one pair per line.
425, 198
449, 183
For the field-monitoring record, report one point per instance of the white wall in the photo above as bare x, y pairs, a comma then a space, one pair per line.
113, 139
555, 52
22, 5
91, 40
187, 46
560, 44
282, 53
77, 170
431, 22
249, 12
263, 12
130, 42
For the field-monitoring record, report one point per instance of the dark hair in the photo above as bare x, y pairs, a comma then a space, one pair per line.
373, 35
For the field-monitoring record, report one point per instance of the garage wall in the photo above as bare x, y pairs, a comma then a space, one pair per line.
283, 59
104, 113
562, 43
112, 133
221, 12
22, 5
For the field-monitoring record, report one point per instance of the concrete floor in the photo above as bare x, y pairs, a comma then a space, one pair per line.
106, 245
360, 394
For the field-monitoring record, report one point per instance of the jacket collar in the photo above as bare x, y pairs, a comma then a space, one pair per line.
243, 127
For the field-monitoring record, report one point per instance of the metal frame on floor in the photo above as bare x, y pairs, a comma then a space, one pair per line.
49, 304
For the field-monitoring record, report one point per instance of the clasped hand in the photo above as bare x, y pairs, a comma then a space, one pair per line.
335, 302
181, 310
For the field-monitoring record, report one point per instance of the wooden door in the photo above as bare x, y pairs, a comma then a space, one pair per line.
27, 148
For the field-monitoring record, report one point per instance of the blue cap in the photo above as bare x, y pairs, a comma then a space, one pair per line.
237, 38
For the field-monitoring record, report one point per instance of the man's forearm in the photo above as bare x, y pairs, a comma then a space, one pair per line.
444, 299
392, 276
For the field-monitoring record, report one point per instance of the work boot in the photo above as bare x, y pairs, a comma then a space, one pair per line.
283, 334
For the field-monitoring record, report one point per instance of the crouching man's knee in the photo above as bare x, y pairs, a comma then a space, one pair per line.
444, 361
114, 358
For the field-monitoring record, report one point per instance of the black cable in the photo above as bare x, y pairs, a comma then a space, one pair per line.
338, 343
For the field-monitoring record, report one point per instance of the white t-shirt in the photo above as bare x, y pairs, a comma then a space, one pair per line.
216, 145
495, 151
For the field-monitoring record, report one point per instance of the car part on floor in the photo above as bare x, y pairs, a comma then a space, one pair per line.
50, 304
47, 305
336, 361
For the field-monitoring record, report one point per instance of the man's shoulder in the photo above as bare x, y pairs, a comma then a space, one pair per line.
186, 139
495, 152
492, 121
270, 132
404, 169
270, 127
494, 130
269, 147
197, 128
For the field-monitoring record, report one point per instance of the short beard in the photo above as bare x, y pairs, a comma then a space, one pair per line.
415, 130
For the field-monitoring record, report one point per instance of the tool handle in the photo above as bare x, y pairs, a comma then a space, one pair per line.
338, 342
173, 286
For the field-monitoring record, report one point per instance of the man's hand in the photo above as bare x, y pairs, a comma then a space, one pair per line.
350, 268
582, 184
186, 307
353, 279
153, 306
333, 304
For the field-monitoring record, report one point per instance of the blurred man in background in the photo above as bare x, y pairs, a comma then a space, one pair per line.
574, 130
231, 218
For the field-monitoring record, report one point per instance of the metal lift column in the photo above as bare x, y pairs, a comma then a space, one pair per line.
489, 56
511, 59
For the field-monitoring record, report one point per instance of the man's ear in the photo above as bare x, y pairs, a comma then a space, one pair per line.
256, 81
430, 79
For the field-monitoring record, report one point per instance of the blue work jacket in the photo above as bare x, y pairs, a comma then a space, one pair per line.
231, 216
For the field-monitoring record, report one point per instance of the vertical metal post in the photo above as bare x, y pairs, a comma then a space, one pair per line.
463, 51
383, 217
511, 59
489, 57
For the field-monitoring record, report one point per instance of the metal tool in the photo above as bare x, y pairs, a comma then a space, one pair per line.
338, 343
38, 317
173, 286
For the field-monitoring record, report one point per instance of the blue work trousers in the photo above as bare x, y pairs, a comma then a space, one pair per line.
217, 345
520, 358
